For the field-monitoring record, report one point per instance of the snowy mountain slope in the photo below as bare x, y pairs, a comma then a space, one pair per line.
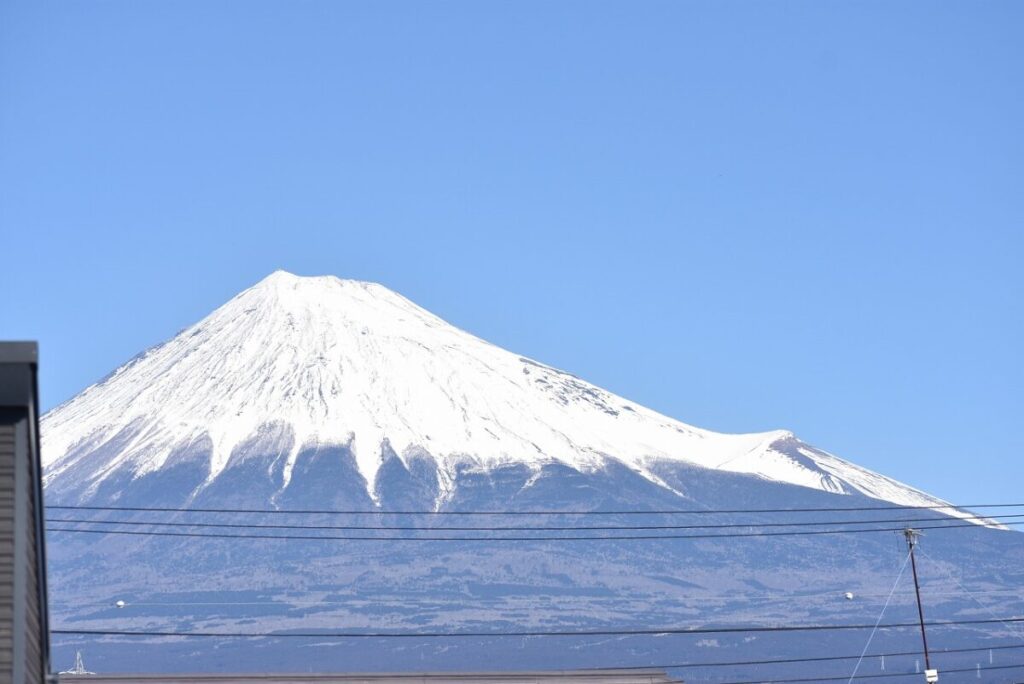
324, 363
318, 394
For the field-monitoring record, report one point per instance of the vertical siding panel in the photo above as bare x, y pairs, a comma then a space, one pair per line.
24, 636
6, 551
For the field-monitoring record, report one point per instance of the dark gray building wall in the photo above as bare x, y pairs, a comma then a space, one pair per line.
24, 637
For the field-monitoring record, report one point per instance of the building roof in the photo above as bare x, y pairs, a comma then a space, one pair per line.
651, 676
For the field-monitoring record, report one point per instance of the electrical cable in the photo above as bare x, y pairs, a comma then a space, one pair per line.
988, 610
588, 671
526, 633
872, 676
831, 509
871, 636
546, 528
816, 659
724, 535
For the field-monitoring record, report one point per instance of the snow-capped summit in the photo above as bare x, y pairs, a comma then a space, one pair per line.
329, 362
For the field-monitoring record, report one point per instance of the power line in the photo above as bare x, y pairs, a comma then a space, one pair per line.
874, 630
831, 509
815, 659
588, 671
872, 676
792, 661
527, 633
546, 528
584, 672
974, 598
728, 535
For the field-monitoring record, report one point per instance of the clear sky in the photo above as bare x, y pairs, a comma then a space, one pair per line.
747, 215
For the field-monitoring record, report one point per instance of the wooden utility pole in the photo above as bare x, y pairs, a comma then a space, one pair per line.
930, 675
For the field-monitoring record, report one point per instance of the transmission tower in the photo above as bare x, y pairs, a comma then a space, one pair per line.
79, 668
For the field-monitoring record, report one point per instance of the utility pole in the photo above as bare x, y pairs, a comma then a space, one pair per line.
930, 675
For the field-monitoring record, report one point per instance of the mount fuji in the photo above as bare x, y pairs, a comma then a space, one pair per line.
321, 394
303, 367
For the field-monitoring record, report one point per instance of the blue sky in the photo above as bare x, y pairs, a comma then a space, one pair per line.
747, 215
